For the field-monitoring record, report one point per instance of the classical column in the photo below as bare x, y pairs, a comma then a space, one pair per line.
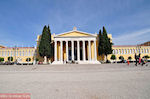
67, 50
55, 50
83, 50
95, 52
61, 50
78, 49
72, 43
89, 42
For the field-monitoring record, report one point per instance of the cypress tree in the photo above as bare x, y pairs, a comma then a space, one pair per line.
100, 44
51, 47
45, 48
107, 43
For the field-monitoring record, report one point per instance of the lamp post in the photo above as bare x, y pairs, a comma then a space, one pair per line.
15, 49
138, 48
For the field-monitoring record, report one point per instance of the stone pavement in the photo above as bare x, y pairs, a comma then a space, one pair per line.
105, 81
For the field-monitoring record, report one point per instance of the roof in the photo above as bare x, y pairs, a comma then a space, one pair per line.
75, 30
2, 46
124, 45
17, 47
128, 46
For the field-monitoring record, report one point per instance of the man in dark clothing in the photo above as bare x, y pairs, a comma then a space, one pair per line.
142, 61
135, 59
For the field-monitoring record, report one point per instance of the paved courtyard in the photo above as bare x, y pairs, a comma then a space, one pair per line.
105, 81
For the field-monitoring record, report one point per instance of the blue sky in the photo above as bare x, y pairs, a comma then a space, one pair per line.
22, 20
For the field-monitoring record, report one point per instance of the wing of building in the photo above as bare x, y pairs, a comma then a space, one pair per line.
19, 54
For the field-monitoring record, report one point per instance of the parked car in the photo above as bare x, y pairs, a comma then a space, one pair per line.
1, 63
39, 63
8, 63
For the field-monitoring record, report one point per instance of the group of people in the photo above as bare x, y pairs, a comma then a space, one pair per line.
138, 60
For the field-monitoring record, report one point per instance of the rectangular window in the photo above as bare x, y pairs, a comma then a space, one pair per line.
8, 53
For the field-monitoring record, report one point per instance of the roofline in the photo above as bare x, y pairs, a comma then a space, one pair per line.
74, 31
16, 47
127, 46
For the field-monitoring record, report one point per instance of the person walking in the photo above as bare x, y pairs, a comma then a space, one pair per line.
135, 59
142, 62
128, 62
139, 60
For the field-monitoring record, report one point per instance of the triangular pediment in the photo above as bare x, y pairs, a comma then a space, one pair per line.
74, 34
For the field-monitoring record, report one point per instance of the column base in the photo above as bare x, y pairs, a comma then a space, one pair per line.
58, 62
89, 62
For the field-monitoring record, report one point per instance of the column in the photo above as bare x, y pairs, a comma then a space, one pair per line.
67, 50
55, 50
89, 42
83, 50
78, 50
95, 52
72, 43
61, 50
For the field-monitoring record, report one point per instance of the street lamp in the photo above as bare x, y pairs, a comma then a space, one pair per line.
138, 48
15, 49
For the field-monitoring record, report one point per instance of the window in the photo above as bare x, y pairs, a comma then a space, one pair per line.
2, 53
116, 51
144, 50
8, 53
125, 51
11, 53
113, 51
29, 53
133, 51
130, 51
122, 51
22, 53
14, 53
136, 51
33, 52
19, 53
119, 51
26, 53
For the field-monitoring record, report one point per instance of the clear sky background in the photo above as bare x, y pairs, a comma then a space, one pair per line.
22, 20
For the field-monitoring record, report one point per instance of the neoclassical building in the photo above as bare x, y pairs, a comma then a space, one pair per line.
77, 46
82, 48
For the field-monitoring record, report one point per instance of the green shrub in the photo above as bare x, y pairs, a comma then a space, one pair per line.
10, 58
121, 58
28, 59
113, 57
129, 58
1, 59
146, 56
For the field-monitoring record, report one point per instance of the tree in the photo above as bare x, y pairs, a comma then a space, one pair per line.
45, 46
10, 58
146, 57
51, 47
129, 58
28, 59
107, 43
121, 58
113, 57
1, 59
100, 44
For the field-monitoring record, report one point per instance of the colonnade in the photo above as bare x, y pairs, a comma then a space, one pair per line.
78, 50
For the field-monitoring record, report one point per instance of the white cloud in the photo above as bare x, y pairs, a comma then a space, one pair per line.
132, 38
